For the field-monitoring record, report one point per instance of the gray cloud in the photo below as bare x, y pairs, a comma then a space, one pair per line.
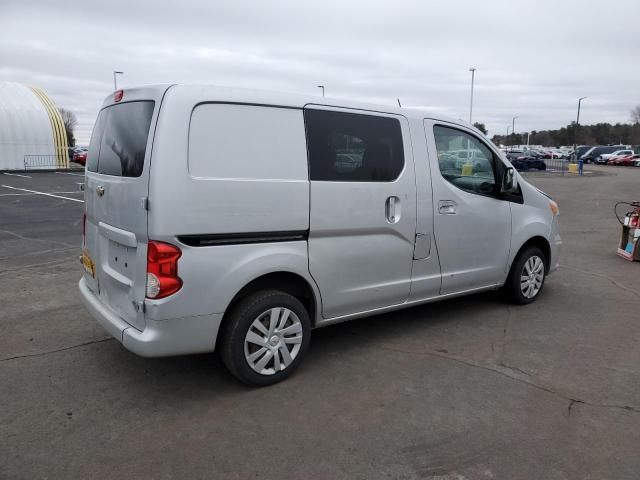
534, 59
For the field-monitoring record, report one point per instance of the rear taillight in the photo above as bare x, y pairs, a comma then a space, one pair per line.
162, 269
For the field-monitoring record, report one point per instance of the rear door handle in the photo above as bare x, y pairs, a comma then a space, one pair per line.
447, 207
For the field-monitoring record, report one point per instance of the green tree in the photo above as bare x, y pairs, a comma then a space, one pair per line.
481, 127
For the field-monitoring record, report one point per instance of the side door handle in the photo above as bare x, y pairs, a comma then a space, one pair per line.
447, 207
392, 209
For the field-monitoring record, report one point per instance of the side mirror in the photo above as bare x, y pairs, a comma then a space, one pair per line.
509, 181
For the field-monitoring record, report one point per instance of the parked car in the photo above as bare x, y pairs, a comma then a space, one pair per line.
593, 155
617, 153
219, 219
550, 154
534, 153
559, 153
624, 160
514, 153
80, 157
73, 150
529, 163
581, 150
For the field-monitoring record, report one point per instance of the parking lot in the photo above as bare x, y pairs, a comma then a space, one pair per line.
470, 388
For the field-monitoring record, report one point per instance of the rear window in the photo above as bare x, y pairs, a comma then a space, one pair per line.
119, 139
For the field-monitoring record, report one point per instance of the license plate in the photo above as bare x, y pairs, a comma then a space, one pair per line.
88, 264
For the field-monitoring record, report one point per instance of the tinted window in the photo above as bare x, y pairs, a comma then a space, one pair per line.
473, 171
119, 139
348, 147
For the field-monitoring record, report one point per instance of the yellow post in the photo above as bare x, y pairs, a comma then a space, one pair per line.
573, 168
467, 170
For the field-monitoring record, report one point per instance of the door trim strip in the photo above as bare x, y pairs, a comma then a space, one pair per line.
216, 239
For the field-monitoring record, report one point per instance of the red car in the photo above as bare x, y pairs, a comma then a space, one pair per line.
624, 160
80, 157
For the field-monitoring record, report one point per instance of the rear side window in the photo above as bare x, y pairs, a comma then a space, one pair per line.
247, 142
348, 147
119, 140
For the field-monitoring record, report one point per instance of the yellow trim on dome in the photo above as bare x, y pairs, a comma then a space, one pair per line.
57, 127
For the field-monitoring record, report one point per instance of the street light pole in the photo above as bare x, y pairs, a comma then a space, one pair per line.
513, 125
473, 75
575, 134
115, 82
322, 87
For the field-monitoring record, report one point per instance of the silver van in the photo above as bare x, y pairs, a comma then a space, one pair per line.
239, 221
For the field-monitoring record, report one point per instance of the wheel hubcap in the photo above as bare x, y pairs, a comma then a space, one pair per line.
273, 341
532, 277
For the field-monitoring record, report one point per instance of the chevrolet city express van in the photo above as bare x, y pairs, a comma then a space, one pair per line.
238, 221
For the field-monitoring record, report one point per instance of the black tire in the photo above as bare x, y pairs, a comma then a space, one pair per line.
237, 324
513, 286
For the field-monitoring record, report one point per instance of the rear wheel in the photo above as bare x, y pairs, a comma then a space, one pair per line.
527, 276
265, 337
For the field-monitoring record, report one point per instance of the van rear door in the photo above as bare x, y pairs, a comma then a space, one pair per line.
116, 190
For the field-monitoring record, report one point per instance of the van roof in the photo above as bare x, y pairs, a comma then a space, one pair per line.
265, 97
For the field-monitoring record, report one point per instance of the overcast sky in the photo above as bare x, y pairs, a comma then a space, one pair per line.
533, 58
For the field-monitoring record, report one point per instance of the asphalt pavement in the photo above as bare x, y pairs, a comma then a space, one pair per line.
470, 388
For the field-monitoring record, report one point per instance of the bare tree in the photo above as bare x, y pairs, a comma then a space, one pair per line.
635, 114
70, 123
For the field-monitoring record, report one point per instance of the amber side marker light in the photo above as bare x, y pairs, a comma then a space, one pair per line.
554, 208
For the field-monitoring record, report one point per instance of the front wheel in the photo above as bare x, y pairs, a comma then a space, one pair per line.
527, 275
265, 337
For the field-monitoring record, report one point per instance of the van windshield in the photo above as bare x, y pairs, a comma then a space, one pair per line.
119, 139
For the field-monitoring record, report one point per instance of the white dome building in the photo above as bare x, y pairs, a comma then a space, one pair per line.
32, 133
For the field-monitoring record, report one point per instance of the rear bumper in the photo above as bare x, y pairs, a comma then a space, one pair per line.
179, 336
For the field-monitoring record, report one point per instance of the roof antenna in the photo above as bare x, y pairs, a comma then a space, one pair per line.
399, 104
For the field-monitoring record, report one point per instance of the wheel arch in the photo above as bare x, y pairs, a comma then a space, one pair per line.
289, 282
536, 241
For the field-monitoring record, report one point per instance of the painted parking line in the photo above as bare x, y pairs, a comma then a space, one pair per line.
69, 173
27, 194
17, 175
44, 193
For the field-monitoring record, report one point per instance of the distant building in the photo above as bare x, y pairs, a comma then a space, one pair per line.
32, 133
